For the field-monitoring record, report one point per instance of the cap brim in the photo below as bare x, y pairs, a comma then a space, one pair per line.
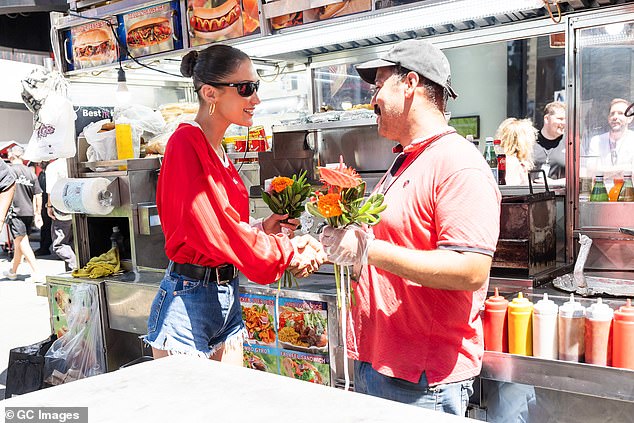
367, 70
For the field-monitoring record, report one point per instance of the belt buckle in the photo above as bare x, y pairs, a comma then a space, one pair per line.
225, 281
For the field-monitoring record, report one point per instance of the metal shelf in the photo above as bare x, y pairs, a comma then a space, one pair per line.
577, 378
336, 124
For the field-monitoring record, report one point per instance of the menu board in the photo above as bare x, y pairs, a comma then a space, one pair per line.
332, 10
60, 305
217, 20
290, 338
94, 44
382, 4
150, 30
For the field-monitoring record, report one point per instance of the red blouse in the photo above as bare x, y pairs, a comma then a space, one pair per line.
204, 212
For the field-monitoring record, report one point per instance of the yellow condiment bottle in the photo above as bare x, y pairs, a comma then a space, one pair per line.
520, 323
123, 135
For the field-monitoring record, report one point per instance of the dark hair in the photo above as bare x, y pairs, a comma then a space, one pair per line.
434, 92
212, 64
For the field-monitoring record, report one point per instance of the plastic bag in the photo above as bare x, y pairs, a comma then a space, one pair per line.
26, 368
79, 353
145, 122
53, 132
104, 144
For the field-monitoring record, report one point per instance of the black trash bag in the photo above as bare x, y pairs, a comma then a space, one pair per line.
26, 368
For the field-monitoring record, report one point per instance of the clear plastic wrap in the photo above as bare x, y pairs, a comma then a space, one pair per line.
79, 353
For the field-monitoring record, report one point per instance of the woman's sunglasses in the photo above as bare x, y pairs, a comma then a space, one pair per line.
245, 89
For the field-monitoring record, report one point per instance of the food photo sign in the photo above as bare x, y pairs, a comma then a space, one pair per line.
331, 10
288, 338
217, 20
151, 30
94, 44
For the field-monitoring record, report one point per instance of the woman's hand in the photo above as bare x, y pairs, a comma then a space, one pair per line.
274, 224
309, 255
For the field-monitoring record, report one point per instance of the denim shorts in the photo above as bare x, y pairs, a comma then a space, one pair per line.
451, 398
197, 317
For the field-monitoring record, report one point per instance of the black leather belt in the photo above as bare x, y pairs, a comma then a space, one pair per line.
221, 274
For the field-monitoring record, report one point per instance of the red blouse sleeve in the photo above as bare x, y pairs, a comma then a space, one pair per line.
199, 213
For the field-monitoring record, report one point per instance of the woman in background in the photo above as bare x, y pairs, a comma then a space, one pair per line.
517, 138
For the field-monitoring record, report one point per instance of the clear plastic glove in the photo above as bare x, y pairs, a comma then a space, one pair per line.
309, 255
346, 246
279, 223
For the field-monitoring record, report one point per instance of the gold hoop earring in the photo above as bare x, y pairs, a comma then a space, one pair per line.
212, 108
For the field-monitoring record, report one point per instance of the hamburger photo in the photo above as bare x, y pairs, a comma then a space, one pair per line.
217, 23
148, 32
94, 47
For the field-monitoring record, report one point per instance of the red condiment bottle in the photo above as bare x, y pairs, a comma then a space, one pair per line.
495, 323
623, 337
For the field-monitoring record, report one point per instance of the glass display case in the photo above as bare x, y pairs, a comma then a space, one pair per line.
602, 140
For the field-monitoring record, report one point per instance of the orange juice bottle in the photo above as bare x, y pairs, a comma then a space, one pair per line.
520, 326
613, 195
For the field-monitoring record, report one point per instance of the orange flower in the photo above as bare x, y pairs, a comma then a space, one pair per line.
328, 205
280, 183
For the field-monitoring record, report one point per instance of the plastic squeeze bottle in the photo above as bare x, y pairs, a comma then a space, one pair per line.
520, 326
598, 338
495, 323
545, 328
623, 341
571, 330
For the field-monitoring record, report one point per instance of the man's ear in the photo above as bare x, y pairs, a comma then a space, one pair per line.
412, 79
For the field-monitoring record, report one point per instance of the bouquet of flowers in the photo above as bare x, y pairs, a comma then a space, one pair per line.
341, 203
287, 196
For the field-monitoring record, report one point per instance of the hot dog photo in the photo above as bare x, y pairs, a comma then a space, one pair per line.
214, 20
149, 31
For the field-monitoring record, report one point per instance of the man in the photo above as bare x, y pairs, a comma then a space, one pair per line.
27, 204
416, 332
62, 225
45, 230
615, 148
549, 152
7, 189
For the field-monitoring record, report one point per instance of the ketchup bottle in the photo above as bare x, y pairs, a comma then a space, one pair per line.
599, 334
495, 323
623, 341
520, 326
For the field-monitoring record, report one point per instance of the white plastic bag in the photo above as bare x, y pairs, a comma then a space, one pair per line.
54, 131
79, 353
104, 144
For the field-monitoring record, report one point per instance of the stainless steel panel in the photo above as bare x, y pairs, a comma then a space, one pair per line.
578, 378
149, 221
361, 147
129, 306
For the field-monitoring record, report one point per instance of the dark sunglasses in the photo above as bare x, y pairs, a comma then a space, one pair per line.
245, 89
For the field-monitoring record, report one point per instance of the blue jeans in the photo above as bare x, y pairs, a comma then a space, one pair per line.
450, 398
197, 317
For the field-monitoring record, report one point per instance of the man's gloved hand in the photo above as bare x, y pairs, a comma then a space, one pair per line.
346, 246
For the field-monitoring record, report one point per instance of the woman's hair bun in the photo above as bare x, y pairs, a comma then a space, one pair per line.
188, 62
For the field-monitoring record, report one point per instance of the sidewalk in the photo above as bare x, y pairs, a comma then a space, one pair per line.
24, 316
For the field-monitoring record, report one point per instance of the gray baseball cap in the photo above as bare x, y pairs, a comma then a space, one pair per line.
419, 56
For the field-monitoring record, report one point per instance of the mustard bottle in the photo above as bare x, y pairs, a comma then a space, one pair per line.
520, 326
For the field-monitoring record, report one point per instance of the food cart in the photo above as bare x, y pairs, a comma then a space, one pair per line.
507, 58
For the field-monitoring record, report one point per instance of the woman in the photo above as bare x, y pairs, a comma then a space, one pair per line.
517, 138
204, 210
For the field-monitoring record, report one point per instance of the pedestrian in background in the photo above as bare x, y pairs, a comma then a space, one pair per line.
45, 231
62, 223
26, 208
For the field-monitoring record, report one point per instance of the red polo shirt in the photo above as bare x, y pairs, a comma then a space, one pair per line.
204, 210
445, 198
